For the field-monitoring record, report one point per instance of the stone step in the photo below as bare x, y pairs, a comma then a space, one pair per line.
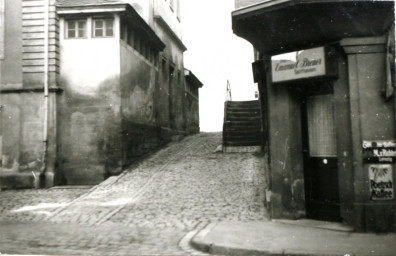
242, 143
18, 180
243, 103
242, 123
244, 110
241, 109
242, 133
243, 113
250, 123
241, 137
253, 129
232, 118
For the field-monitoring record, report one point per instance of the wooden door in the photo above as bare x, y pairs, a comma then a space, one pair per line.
320, 159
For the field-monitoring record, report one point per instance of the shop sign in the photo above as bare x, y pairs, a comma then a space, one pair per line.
299, 65
379, 151
381, 182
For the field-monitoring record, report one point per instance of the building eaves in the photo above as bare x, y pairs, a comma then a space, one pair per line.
78, 7
169, 30
69, 3
192, 79
291, 25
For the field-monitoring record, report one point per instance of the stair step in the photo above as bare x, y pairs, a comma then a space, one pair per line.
241, 133
243, 123
251, 136
242, 143
243, 103
247, 108
242, 129
242, 119
244, 110
243, 114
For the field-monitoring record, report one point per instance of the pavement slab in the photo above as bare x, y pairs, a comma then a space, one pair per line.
279, 238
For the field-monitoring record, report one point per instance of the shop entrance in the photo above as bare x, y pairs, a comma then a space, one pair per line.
320, 158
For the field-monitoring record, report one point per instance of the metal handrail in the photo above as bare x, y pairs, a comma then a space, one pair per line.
228, 95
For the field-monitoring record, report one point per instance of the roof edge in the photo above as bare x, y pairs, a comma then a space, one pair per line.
269, 5
118, 8
91, 8
169, 30
190, 75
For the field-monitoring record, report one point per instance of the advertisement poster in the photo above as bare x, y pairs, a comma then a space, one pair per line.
381, 182
297, 65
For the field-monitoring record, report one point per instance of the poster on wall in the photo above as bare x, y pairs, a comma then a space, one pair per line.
381, 182
379, 151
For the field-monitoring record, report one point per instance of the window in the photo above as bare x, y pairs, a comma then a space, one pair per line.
179, 76
75, 28
103, 27
130, 38
163, 66
124, 32
152, 57
142, 48
136, 43
171, 72
147, 53
172, 4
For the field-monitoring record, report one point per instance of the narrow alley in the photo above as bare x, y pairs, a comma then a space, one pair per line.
152, 208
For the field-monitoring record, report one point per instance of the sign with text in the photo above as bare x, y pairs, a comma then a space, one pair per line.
381, 182
298, 65
379, 151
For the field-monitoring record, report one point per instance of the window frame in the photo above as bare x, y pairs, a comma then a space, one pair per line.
104, 27
172, 5
76, 28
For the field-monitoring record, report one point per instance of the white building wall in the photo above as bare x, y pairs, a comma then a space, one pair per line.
88, 62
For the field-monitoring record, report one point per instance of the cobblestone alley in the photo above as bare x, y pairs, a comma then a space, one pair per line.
153, 208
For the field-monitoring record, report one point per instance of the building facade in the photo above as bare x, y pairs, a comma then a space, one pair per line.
87, 87
325, 71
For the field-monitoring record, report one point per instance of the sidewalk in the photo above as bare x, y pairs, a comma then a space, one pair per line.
291, 238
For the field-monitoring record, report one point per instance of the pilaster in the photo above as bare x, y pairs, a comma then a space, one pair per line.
371, 118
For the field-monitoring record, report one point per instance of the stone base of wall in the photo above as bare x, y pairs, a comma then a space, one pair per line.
375, 217
16, 180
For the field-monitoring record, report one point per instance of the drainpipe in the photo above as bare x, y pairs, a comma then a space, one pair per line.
43, 181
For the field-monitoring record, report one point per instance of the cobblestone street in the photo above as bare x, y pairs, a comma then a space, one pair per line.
153, 208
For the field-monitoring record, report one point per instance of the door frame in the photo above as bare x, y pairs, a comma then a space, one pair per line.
307, 159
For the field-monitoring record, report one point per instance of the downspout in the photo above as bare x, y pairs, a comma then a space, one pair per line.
43, 181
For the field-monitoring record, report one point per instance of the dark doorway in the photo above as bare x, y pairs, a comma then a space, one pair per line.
320, 158
171, 80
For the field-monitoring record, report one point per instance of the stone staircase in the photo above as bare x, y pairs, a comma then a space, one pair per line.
242, 130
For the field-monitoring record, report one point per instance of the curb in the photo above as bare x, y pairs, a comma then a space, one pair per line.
199, 242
